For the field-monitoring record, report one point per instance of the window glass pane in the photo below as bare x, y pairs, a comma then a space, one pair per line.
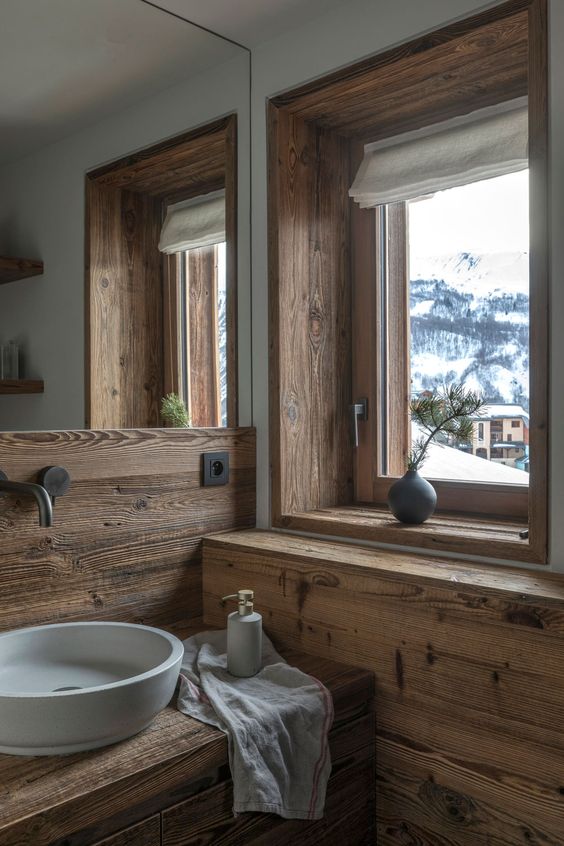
222, 329
469, 307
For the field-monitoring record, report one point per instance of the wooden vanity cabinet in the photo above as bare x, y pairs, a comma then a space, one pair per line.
170, 785
145, 833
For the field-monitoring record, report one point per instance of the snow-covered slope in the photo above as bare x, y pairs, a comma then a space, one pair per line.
470, 323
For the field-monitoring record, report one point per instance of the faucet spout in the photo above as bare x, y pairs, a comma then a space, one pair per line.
39, 494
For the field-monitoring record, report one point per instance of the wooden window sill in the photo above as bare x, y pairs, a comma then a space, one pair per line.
447, 533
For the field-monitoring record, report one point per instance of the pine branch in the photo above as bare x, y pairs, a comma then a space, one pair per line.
448, 411
173, 412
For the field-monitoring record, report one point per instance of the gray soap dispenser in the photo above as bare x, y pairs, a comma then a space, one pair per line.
244, 636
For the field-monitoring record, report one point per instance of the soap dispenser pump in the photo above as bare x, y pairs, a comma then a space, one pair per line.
244, 636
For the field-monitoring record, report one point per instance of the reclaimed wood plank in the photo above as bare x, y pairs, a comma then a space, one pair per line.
469, 681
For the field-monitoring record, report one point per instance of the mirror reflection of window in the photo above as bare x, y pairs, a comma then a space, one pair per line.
193, 236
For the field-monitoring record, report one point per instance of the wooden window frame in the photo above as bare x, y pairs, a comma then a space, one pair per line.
383, 292
312, 488
192, 359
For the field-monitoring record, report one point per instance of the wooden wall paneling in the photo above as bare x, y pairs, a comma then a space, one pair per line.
194, 158
201, 310
125, 544
140, 345
468, 671
290, 335
427, 78
125, 355
103, 305
310, 321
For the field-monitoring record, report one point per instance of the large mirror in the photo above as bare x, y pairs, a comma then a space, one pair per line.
124, 208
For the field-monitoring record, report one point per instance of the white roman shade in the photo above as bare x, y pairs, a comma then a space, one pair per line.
199, 222
484, 144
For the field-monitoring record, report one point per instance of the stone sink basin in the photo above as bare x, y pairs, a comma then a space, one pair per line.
74, 686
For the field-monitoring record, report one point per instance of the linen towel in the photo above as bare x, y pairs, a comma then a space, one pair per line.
277, 724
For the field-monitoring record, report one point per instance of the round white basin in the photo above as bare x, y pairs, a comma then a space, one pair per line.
74, 686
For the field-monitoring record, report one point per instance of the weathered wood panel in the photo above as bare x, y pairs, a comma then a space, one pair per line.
193, 159
125, 544
125, 355
201, 308
145, 833
310, 306
348, 820
469, 675
424, 79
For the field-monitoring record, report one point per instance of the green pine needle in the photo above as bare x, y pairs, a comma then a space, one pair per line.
173, 412
446, 413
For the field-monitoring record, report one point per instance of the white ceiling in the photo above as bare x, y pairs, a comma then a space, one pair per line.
249, 22
66, 64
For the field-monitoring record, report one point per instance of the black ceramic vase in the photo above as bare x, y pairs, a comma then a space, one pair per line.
412, 499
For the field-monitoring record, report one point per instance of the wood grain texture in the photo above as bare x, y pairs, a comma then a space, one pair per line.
423, 80
468, 671
145, 833
61, 799
310, 317
13, 269
125, 309
21, 386
189, 162
204, 405
208, 818
125, 544
131, 352
446, 532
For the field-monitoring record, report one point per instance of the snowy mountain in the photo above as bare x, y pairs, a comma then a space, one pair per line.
470, 323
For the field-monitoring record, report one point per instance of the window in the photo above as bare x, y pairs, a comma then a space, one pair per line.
193, 239
342, 331
451, 272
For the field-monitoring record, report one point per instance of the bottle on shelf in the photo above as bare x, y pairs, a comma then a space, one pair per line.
10, 361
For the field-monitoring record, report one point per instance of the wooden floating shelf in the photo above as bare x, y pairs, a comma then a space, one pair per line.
21, 386
12, 269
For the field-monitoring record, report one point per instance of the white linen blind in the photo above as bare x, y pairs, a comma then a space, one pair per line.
484, 144
199, 222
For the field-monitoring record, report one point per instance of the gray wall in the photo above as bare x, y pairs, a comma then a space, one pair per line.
42, 216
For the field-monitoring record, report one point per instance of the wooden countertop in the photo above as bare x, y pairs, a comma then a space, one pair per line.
46, 799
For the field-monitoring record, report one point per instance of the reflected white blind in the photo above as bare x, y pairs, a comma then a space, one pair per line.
199, 222
484, 144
